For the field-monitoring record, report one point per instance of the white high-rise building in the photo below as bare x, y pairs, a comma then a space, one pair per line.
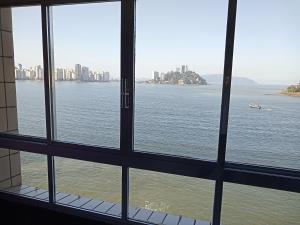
78, 71
99, 77
27, 74
105, 76
60, 74
183, 69
39, 72
162, 76
85, 73
155, 75
32, 74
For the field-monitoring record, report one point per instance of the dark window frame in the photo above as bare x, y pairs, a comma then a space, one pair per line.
220, 171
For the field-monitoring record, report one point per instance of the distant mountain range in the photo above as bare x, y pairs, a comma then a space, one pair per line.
218, 79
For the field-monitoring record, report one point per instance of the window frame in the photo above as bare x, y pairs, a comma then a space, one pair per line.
220, 170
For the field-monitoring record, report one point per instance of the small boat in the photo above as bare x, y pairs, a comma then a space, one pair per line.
256, 106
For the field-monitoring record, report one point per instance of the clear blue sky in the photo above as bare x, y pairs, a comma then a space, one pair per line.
170, 33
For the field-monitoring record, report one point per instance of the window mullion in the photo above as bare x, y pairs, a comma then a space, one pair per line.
127, 92
230, 31
48, 61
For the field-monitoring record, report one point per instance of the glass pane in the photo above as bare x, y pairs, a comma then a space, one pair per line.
87, 60
259, 206
166, 196
98, 184
179, 62
34, 170
264, 122
22, 107
24, 173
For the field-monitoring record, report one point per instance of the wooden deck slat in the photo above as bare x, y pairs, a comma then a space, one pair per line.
35, 192
157, 217
186, 221
26, 190
143, 215
200, 222
60, 196
132, 212
67, 200
91, 205
104, 207
43, 196
171, 220
115, 210
79, 202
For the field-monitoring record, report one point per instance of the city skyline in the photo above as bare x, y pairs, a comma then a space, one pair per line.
77, 73
262, 53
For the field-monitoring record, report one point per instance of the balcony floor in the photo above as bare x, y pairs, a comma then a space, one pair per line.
103, 207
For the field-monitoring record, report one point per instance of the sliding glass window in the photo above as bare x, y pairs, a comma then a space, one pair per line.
179, 66
22, 101
87, 73
264, 114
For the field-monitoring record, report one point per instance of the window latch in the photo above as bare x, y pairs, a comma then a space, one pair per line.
124, 94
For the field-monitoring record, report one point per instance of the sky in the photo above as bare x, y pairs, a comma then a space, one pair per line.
170, 33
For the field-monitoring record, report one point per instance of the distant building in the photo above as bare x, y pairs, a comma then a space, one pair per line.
180, 82
27, 74
85, 73
105, 76
73, 76
32, 74
155, 76
99, 77
39, 72
60, 74
78, 71
162, 76
184, 69
69, 76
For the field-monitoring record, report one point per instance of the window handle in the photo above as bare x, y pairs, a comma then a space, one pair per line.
124, 94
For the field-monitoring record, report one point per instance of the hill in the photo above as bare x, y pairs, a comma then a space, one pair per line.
218, 79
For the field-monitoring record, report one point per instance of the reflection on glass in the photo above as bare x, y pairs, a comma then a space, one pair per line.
171, 194
25, 91
264, 120
259, 206
87, 71
34, 170
179, 62
89, 180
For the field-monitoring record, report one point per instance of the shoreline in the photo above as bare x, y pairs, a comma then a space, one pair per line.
292, 94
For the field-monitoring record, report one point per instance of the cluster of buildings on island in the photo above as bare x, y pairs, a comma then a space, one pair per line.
79, 73
161, 77
181, 76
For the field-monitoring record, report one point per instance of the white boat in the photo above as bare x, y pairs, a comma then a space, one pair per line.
256, 106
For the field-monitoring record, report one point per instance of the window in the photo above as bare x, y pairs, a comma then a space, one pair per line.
159, 195
27, 74
244, 204
87, 68
178, 50
263, 122
34, 170
96, 182
171, 167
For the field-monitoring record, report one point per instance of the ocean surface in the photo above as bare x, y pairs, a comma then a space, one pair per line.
176, 120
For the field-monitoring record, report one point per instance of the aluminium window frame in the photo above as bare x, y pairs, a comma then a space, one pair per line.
220, 171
